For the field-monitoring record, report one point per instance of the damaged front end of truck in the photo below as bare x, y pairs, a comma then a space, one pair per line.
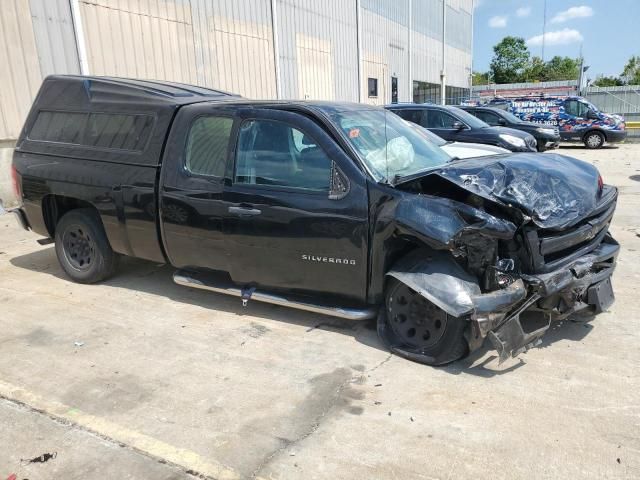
493, 239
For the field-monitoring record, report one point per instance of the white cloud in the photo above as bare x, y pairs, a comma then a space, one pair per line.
499, 21
523, 12
574, 12
559, 37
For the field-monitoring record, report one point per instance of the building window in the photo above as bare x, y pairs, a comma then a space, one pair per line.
456, 95
373, 87
425, 92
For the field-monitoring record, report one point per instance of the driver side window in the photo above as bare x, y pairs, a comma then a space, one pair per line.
277, 154
489, 118
439, 119
576, 108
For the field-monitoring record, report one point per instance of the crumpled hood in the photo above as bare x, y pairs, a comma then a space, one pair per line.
554, 190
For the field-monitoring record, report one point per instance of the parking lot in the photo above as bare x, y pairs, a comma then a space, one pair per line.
141, 378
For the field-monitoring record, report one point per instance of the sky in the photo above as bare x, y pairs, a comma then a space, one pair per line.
607, 30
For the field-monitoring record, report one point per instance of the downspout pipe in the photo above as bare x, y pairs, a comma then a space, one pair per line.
409, 59
359, 49
78, 34
443, 74
276, 46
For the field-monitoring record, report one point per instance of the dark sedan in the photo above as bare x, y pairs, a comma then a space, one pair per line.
456, 125
547, 137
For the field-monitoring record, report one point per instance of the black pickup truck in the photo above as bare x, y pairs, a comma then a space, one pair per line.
336, 208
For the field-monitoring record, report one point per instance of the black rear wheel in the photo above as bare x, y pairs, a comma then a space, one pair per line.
82, 247
415, 328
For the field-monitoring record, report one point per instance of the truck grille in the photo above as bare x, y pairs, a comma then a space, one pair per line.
551, 249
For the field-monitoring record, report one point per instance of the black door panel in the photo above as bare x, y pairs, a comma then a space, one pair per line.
301, 240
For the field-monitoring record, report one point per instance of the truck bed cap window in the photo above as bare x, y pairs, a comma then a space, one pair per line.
116, 131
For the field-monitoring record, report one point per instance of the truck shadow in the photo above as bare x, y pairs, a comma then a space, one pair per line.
154, 279
484, 361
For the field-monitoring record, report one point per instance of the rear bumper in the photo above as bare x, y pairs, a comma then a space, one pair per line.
583, 284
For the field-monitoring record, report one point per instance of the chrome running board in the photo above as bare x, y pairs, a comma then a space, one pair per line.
206, 282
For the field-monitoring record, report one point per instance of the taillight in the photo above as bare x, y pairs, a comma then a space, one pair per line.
600, 184
17, 184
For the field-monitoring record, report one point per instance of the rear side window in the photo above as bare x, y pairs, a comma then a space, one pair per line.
61, 127
101, 130
207, 145
124, 132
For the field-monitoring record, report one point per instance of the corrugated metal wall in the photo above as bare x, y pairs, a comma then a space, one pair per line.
23, 65
318, 49
229, 44
624, 100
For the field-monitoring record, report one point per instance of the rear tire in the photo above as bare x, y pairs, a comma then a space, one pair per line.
593, 140
416, 329
82, 247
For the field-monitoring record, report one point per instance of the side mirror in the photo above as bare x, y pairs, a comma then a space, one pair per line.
502, 121
592, 115
458, 125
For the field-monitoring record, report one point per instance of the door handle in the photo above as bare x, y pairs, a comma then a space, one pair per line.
244, 211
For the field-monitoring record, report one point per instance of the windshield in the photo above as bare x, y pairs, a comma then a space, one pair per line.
591, 106
387, 144
466, 117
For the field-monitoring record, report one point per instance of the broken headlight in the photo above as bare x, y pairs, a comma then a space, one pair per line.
500, 275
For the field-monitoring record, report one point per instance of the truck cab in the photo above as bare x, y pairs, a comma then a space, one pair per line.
329, 207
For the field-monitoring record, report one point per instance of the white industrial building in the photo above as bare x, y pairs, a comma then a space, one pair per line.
375, 51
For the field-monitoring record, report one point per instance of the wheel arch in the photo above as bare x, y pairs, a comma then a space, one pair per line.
592, 130
439, 278
54, 207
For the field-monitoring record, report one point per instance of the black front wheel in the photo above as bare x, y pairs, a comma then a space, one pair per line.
594, 140
413, 327
82, 247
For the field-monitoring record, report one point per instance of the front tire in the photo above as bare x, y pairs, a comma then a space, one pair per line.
82, 247
414, 328
593, 140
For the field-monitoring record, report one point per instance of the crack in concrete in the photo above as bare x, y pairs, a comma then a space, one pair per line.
318, 420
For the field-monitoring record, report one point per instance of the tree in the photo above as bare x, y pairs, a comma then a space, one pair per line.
510, 59
602, 81
535, 71
562, 68
480, 78
631, 72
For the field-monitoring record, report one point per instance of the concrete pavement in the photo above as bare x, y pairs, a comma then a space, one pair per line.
141, 378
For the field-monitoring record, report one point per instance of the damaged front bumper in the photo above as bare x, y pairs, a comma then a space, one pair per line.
585, 283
